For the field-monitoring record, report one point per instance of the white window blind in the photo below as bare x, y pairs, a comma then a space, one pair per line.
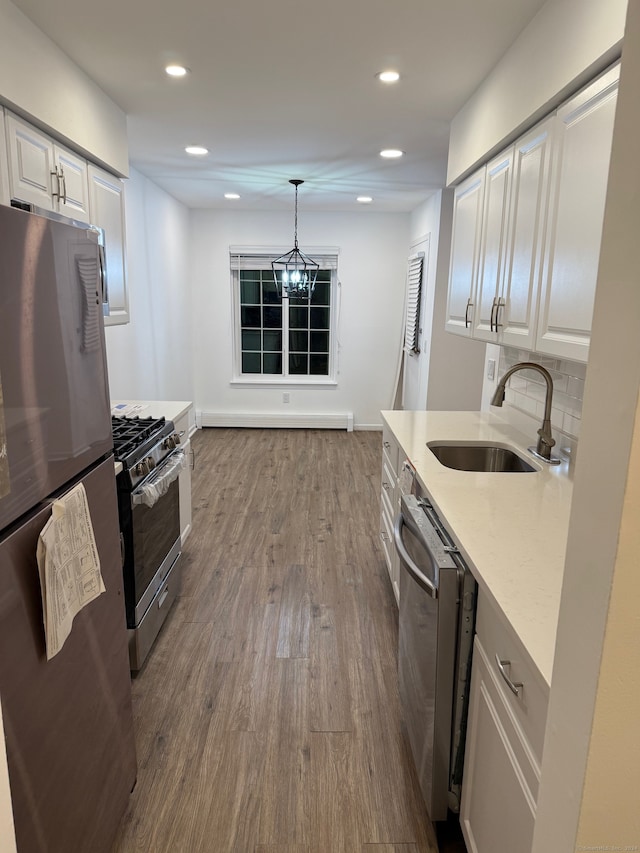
414, 292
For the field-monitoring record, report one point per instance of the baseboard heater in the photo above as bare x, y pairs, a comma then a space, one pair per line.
341, 420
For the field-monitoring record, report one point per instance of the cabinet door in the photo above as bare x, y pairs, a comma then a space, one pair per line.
580, 171
465, 244
497, 812
74, 194
185, 491
517, 312
32, 176
5, 196
492, 246
106, 209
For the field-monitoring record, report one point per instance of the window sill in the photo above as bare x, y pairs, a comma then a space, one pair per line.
288, 382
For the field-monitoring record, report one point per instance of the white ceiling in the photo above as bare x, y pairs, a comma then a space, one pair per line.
287, 89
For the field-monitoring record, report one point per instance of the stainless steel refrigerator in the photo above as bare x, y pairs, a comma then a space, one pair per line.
68, 721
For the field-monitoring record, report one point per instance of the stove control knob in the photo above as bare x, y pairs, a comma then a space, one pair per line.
151, 462
176, 439
142, 468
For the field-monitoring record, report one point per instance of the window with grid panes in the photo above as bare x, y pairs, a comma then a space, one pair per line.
288, 337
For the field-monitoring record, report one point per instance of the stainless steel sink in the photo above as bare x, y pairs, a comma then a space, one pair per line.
479, 457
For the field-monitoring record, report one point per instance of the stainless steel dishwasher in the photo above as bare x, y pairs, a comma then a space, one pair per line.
437, 615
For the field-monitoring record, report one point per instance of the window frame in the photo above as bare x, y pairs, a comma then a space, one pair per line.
252, 258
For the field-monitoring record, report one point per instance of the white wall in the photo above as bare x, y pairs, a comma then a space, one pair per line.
150, 358
454, 365
371, 269
563, 47
40, 81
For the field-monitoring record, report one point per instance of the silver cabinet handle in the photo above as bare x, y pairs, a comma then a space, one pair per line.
492, 321
385, 485
55, 174
193, 460
514, 686
500, 304
163, 597
63, 184
384, 536
387, 444
466, 313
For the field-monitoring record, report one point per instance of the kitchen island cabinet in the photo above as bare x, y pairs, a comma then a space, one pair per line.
182, 414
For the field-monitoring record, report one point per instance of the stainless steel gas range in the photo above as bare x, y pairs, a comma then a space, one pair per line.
148, 503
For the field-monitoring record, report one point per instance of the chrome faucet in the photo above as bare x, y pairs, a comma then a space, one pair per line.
545, 439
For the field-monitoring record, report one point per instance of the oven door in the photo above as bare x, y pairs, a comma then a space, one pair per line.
155, 517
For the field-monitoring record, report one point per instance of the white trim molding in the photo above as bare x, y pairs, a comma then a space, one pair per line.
320, 420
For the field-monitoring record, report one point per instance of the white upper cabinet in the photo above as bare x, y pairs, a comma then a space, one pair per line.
493, 243
527, 229
580, 171
44, 173
465, 247
106, 198
517, 310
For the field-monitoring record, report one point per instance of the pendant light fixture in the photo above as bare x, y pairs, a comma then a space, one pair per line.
295, 273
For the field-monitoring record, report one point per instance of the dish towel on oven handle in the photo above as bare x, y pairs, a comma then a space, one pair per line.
149, 493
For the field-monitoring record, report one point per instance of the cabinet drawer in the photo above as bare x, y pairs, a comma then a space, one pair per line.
530, 706
390, 448
388, 488
386, 535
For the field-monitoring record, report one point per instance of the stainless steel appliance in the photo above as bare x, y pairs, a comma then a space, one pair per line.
149, 506
68, 721
437, 614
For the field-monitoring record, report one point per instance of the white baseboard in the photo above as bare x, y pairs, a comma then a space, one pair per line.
320, 420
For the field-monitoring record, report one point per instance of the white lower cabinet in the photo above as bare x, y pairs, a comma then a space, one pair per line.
505, 734
389, 499
182, 428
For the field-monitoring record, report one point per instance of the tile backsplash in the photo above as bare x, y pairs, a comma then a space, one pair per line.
526, 389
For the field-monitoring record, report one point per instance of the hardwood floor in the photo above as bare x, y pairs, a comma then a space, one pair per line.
267, 716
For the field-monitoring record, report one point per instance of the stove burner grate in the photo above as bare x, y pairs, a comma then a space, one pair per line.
131, 433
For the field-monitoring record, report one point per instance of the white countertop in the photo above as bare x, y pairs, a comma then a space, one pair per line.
510, 527
172, 410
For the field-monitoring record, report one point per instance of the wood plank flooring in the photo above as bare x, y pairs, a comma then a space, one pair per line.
267, 716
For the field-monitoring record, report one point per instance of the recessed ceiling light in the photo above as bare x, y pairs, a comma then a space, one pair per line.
176, 70
196, 150
364, 199
388, 76
231, 195
391, 153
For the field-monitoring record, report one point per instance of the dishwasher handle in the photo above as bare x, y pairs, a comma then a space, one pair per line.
416, 573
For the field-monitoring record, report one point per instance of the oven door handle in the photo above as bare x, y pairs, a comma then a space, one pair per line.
157, 484
420, 578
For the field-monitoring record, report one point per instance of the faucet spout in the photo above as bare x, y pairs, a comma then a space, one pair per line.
545, 438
